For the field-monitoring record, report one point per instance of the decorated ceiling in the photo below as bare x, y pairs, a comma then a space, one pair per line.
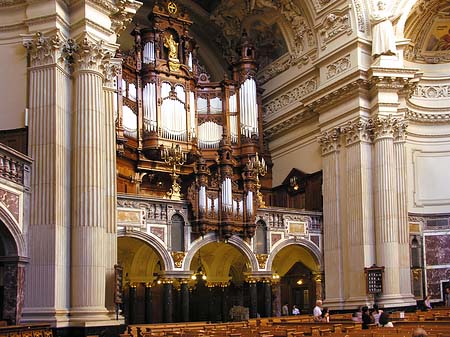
287, 32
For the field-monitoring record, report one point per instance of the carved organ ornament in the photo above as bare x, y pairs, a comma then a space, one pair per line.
167, 103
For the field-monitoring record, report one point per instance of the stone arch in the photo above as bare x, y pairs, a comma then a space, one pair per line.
236, 241
20, 247
153, 242
310, 246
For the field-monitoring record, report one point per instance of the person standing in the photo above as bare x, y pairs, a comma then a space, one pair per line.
285, 310
317, 311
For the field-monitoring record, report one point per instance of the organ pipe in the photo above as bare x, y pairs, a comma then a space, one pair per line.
149, 52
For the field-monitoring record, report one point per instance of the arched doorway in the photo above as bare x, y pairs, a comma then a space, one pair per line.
12, 275
142, 271
299, 277
218, 282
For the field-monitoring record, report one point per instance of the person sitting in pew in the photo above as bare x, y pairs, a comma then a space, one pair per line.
385, 321
419, 332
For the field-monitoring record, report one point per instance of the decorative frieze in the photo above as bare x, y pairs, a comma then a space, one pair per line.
432, 91
290, 97
434, 117
334, 25
6, 3
338, 67
330, 140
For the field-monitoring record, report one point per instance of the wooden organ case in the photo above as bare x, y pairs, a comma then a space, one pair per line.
181, 136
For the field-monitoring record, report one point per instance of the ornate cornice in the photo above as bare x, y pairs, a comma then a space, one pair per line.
289, 123
123, 14
330, 141
291, 96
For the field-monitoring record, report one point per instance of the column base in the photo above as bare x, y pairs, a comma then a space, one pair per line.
334, 303
396, 301
57, 318
104, 331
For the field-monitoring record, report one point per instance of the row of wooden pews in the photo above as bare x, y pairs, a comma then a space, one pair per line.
435, 322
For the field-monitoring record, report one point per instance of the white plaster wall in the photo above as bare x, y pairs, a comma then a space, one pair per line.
13, 87
428, 163
298, 149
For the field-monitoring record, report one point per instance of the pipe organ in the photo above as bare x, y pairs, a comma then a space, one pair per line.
168, 101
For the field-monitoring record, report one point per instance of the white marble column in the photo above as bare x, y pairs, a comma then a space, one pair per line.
89, 191
111, 69
402, 204
386, 208
332, 228
360, 244
47, 276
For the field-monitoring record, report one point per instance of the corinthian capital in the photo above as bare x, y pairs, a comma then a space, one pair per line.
400, 130
357, 131
384, 127
330, 140
43, 50
112, 67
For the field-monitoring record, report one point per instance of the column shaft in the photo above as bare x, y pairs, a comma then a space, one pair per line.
386, 215
253, 299
184, 302
88, 198
167, 302
48, 279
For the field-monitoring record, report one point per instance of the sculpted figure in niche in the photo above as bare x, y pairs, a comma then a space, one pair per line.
383, 36
172, 45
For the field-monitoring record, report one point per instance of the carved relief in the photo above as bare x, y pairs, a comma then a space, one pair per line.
122, 14
434, 117
11, 202
330, 141
338, 66
432, 91
360, 15
262, 259
335, 25
292, 96
178, 258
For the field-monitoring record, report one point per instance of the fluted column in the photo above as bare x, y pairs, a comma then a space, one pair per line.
89, 193
47, 276
402, 205
330, 142
111, 68
386, 207
360, 244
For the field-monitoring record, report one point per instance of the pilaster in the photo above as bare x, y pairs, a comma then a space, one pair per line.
333, 252
360, 245
48, 278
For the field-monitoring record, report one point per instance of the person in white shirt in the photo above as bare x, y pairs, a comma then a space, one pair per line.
317, 312
295, 310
